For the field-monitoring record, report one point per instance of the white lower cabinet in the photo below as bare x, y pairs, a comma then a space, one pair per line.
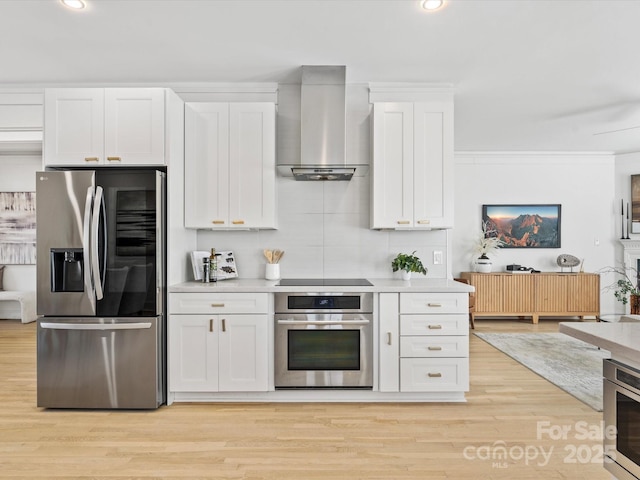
424, 342
225, 352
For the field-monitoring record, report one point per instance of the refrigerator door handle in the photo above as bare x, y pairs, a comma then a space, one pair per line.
86, 248
95, 258
95, 326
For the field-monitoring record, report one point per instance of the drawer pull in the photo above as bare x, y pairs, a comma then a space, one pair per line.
211, 324
224, 325
388, 338
114, 159
435, 349
403, 222
216, 305
434, 304
218, 222
434, 375
424, 222
91, 159
435, 327
238, 222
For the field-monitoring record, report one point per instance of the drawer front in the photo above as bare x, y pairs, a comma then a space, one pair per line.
434, 324
434, 346
434, 374
434, 302
208, 303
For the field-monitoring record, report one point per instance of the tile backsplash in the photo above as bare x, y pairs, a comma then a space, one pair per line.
324, 229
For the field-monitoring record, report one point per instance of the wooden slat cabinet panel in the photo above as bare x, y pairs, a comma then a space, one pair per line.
546, 294
551, 293
583, 293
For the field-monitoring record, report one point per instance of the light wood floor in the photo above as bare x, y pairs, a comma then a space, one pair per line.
303, 441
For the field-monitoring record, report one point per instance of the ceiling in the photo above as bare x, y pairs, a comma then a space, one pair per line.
535, 75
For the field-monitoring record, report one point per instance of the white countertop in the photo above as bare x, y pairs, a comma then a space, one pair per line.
622, 339
257, 285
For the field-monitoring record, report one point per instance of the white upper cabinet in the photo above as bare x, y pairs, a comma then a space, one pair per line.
230, 165
104, 126
412, 179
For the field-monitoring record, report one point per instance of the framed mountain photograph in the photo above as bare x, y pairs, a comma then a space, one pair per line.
524, 226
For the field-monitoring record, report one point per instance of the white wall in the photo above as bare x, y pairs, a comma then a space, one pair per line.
582, 183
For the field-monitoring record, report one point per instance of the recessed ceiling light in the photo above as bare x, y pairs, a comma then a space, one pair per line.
75, 4
432, 4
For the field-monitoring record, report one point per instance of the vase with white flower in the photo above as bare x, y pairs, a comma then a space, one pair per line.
488, 243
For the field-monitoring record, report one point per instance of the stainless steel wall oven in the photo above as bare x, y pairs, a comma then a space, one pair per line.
324, 340
622, 416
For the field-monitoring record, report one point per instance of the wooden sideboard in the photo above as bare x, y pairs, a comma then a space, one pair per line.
535, 294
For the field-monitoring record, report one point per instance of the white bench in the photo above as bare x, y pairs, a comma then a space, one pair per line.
27, 302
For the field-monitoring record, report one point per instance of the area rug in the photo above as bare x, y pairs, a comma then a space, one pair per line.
572, 365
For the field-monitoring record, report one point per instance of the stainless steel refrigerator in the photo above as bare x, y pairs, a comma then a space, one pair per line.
101, 288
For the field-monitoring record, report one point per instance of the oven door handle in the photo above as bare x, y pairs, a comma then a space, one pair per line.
329, 322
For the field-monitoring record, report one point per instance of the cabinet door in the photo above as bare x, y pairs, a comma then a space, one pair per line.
433, 165
73, 126
243, 357
134, 126
489, 292
551, 293
518, 293
193, 353
392, 187
252, 165
583, 293
389, 356
206, 167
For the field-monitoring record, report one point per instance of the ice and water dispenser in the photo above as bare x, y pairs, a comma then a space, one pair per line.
67, 270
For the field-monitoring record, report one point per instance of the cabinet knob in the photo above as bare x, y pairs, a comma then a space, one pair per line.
114, 159
434, 375
91, 159
218, 222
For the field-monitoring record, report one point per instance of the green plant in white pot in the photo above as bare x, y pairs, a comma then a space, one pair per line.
408, 263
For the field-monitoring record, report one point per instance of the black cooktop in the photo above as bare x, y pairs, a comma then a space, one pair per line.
324, 282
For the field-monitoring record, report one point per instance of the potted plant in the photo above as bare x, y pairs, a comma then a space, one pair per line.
626, 289
487, 243
408, 263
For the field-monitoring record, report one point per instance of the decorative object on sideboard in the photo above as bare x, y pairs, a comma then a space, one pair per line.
565, 260
626, 288
225, 268
272, 268
524, 226
488, 243
407, 263
18, 228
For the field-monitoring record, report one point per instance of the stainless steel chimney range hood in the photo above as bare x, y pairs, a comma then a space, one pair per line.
322, 127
